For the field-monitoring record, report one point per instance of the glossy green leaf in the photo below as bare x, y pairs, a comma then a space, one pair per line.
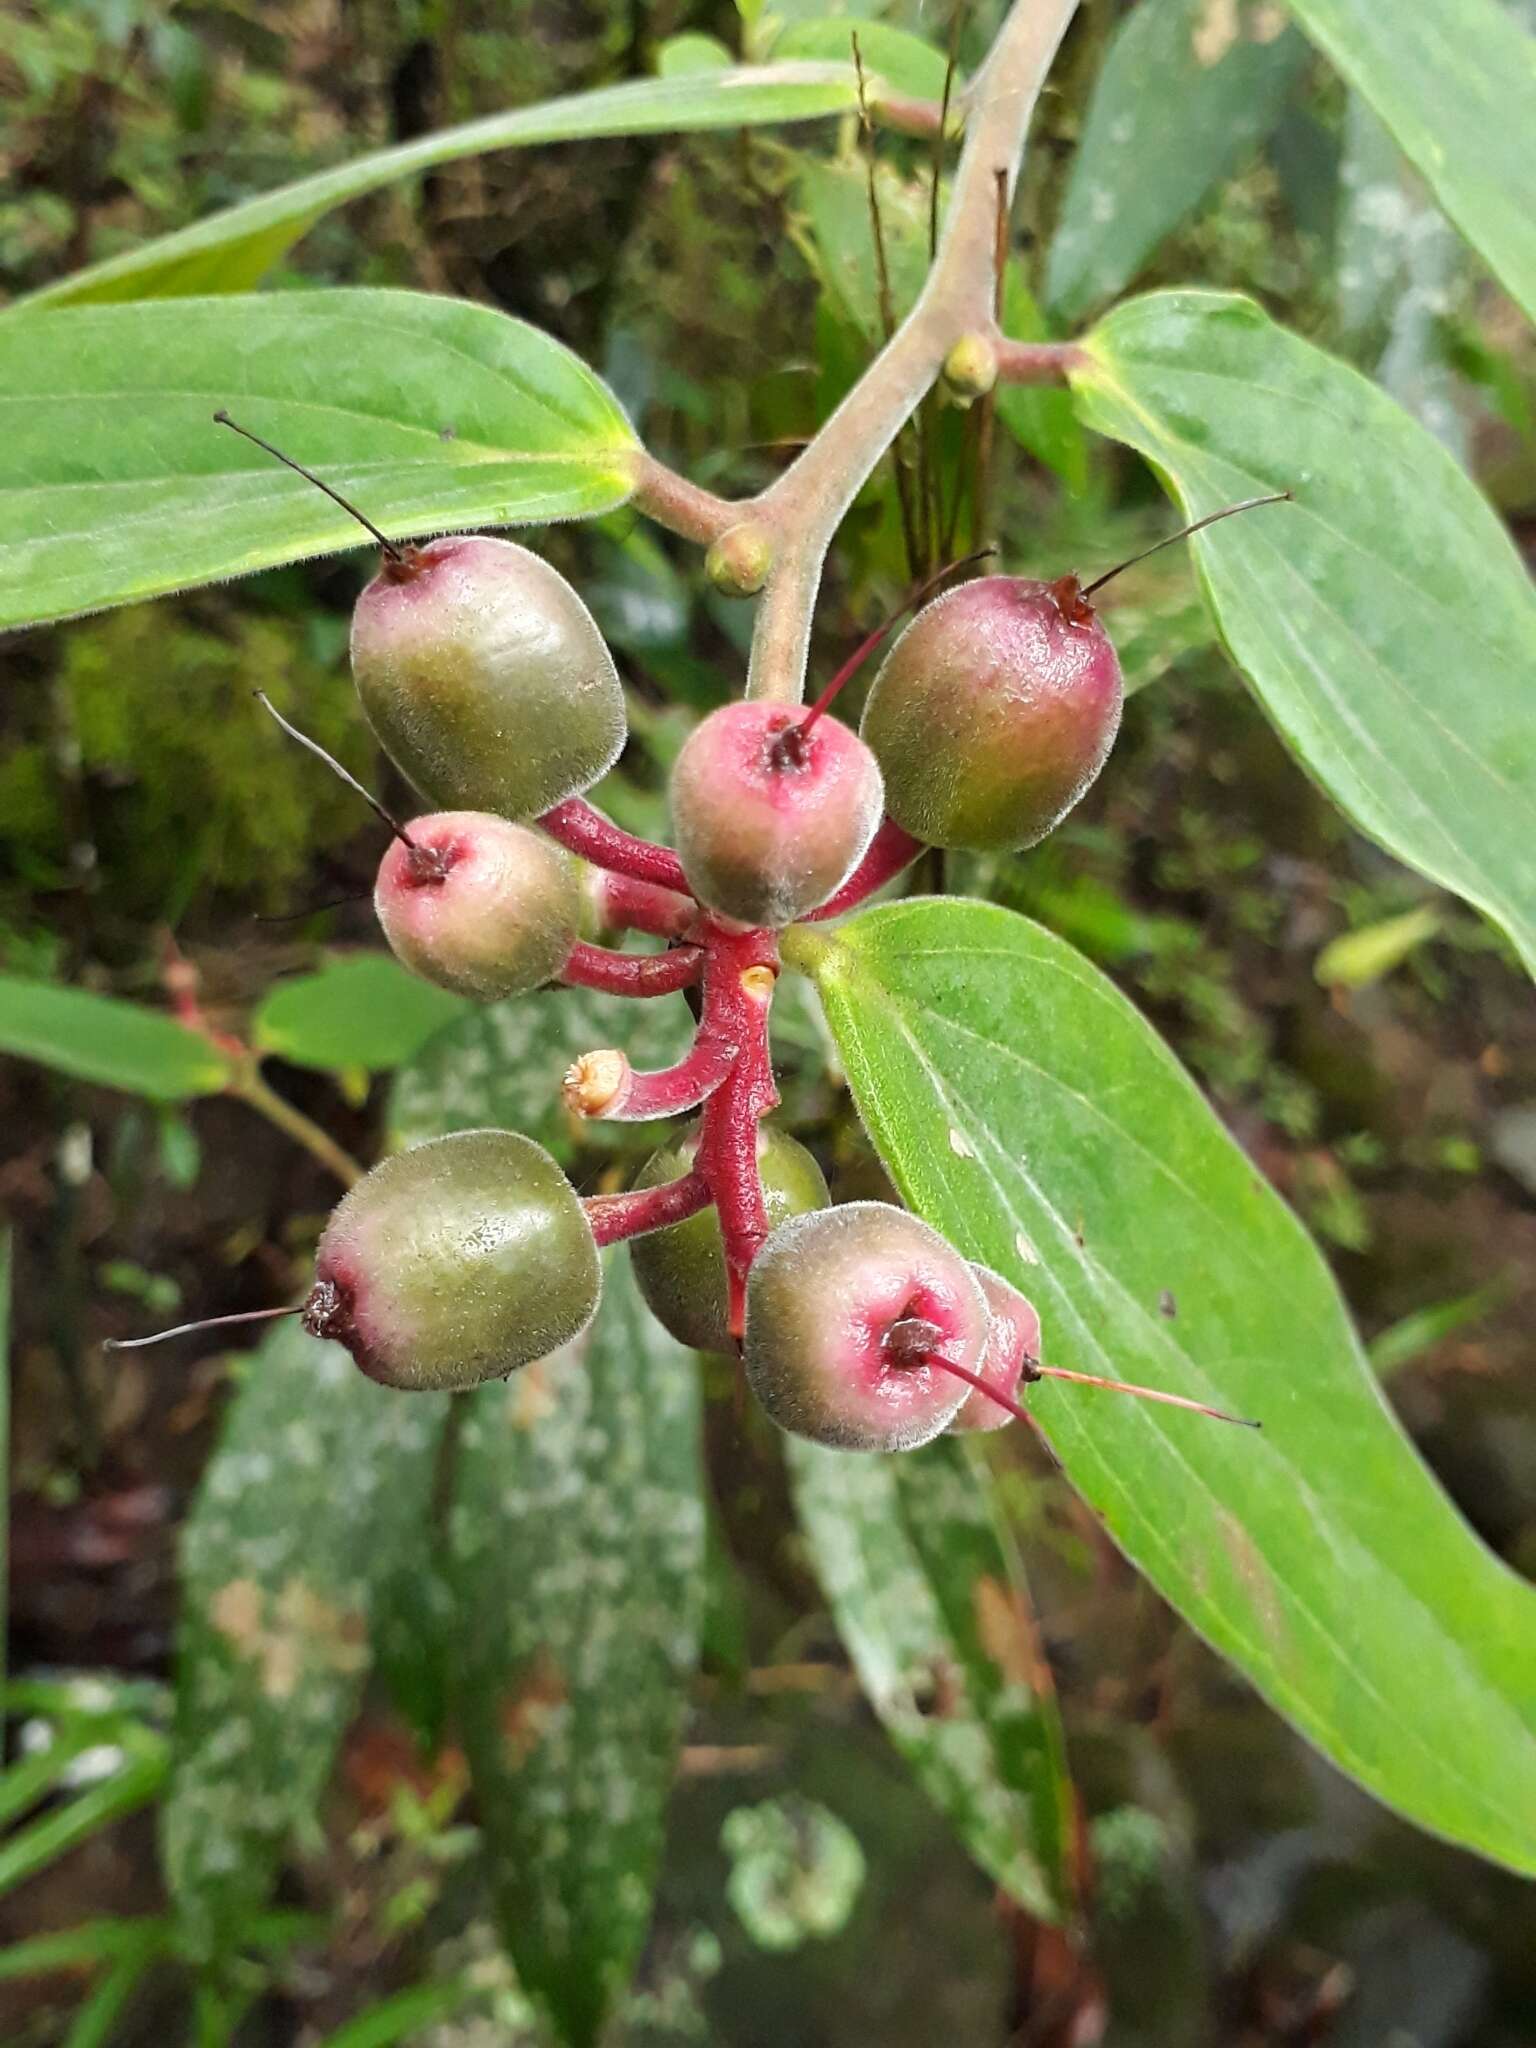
922, 1586
321, 1483
577, 1547
1186, 93
1385, 621
231, 251
1024, 1107
361, 1010
116, 484
116, 1045
503, 1065
1455, 82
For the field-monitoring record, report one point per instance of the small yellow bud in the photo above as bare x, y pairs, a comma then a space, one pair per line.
740, 559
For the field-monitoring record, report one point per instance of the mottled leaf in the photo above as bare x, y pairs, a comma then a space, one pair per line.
577, 1548
117, 1045
922, 1587
231, 251
1187, 91
1398, 265
503, 1065
1455, 82
1025, 1109
360, 1010
321, 1483
1385, 621
429, 413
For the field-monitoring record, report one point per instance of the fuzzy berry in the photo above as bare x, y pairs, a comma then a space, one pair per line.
485, 677
994, 712
478, 905
681, 1270
455, 1262
1013, 1345
849, 1313
769, 817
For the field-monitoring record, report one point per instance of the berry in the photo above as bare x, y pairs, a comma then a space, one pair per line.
772, 809
455, 1262
850, 1312
485, 677
994, 712
681, 1270
1013, 1343
478, 905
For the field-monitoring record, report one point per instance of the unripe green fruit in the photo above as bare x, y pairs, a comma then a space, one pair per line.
681, 1270
994, 712
769, 819
478, 905
456, 1262
1013, 1341
485, 677
846, 1311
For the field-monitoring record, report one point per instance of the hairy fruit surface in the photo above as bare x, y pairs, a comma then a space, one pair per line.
485, 677
484, 907
769, 818
455, 1262
1013, 1342
846, 1311
681, 1270
994, 712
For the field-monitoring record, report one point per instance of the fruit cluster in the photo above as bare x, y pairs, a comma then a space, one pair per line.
488, 683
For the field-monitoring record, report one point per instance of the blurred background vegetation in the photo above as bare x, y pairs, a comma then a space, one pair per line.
1369, 1040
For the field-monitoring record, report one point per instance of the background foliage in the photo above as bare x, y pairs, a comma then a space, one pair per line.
1366, 1039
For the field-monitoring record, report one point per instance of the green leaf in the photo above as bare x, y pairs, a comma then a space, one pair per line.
894, 55
396, 2019
1187, 91
1455, 82
95, 2022
117, 1045
1025, 1109
321, 1483
5, 1447
231, 251
1410, 1337
685, 56
1040, 418
78, 1948
577, 1539
1354, 959
62, 1828
115, 483
1398, 264
502, 1066
1385, 621
923, 1591
836, 199
362, 1010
